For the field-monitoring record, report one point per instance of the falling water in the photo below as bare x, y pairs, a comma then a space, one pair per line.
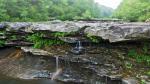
58, 70
57, 63
78, 49
79, 45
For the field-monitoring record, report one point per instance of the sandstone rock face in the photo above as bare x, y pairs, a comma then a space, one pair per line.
112, 31
121, 32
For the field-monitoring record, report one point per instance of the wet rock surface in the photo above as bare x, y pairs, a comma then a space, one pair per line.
129, 81
97, 65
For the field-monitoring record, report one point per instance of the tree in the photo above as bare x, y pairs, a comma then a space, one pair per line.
133, 10
43, 10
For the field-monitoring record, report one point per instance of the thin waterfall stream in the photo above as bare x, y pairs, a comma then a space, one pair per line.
57, 63
58, 70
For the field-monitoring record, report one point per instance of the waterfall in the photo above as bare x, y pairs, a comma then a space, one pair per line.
58, 70
57, 63
78, 49
78, 46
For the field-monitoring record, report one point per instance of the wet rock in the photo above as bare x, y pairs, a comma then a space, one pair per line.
35, 51
129, 81
71, 80
77, 51
115, 77
69, 76
42, 74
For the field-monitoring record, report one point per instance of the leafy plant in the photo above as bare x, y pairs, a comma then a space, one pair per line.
132, 53
13, 37
93, 38
59, 34
128, 65
143, 81
2, 43
140, 57
40, 42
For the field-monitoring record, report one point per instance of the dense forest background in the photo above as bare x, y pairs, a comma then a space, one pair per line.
43, 10
133, 10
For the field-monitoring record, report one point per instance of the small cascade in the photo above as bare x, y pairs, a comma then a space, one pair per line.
58, 70
78, 49
57, 63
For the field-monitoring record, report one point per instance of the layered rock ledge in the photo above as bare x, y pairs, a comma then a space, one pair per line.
111, 31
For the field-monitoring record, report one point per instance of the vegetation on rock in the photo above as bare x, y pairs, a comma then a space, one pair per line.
140, 57
94, 39
2, 43
40, 42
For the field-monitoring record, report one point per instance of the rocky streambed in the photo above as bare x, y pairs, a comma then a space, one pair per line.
76, 52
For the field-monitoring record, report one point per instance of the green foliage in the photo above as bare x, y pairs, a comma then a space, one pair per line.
140, 57
148, 73
13, 37
43, 10
93, 38
133, 10
143, 81
59, 34
128, 65
40, 42
2, 43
